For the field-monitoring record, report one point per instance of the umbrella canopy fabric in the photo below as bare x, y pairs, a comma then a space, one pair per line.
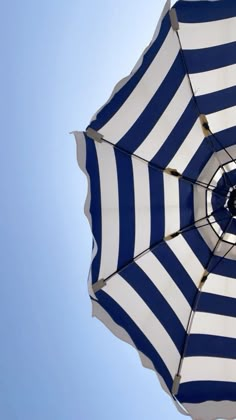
159, 157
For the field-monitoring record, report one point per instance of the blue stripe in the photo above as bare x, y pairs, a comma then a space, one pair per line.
204, 11
200, 391
199, 160
120, 97
211, 345
139, 339
141, 283
217, 101
225, 267
95, 204
126, 208
205, 59
199, 246
186, 204
177, 136
156, 205
216, 304
225, 138
175, 269
155, 108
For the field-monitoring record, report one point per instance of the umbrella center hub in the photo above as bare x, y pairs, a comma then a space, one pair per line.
232, 203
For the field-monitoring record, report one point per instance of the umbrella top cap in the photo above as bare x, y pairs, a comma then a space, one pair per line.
232, 202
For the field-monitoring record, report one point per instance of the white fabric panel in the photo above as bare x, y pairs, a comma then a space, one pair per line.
142, 205
208, 369
222, 120
130, 111
213, 324
220, 285
144, 318
212, 409
230, 166
171, 199
166, 286
188, 148
207, 34
158, 135
109, 209
187, 258
214, 80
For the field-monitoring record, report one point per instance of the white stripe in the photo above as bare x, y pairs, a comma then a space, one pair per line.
219, 174
166, 286
187, 258
207, 34
213, 324
213, 80
188, 148
158, 135
211, 410
230, 166
220, 285
109, 209
135, 104
222, 120
142, 205
208, 369
143, 317
171, 199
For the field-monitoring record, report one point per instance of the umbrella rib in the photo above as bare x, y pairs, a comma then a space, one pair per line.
102, 282
172, 172
195, 304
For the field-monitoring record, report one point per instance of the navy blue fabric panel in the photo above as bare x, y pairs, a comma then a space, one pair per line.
224, 267
141, 283
139, 339
175, 269
211, 345
205, 59
120, 97
199, 160
156, 205
198, 245
200, 391
205, 11
217, 101
156, 107
177, 136
95, 204
217, 304
126, 207
225, 138
186, 204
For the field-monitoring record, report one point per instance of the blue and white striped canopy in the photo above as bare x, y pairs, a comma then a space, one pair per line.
160, 161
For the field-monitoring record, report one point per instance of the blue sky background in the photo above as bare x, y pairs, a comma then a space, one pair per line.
60, 61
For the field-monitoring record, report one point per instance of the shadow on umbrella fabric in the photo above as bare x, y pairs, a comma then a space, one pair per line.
159, 157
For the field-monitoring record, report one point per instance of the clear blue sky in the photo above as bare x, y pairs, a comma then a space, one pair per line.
60, 61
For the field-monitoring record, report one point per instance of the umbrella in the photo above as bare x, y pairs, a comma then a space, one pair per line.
159, 159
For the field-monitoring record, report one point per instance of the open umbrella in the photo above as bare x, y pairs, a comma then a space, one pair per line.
160, 161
